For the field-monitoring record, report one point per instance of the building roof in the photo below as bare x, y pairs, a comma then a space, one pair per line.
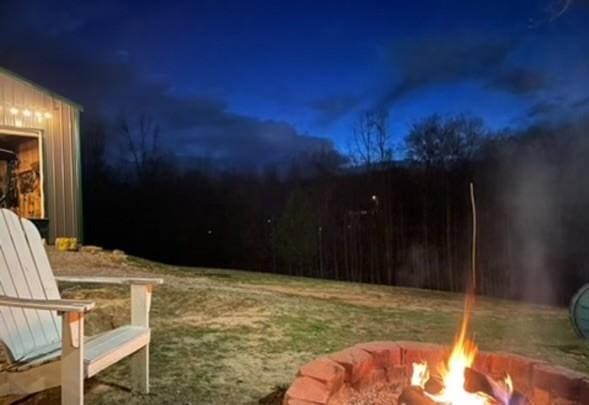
41, 88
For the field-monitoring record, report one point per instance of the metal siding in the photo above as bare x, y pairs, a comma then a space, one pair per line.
60, 137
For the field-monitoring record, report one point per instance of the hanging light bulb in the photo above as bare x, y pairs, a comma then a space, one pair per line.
38, 115
47, 115
13, 111
26, 113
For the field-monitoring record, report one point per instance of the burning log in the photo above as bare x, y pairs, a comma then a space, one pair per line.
415, 396
502, 392
475, 381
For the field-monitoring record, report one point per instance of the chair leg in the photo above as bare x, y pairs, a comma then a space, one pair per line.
140, 370
140, 305
72, 359
4, 385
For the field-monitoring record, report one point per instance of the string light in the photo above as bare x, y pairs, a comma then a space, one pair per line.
39, 115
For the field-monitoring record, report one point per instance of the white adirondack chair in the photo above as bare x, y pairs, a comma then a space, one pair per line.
43, 335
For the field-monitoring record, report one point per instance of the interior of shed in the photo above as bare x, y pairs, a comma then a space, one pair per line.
21, 175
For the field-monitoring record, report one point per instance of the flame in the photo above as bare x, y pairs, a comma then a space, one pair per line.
461, 357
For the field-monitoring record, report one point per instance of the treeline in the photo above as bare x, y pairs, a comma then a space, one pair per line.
378, 221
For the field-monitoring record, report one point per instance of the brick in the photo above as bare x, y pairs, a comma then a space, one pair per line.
584, 391
308, 389
396, 374
541, 397
413, 352
374, 376
482, 362
559, 381
562, 401
385, 354
343, 396
294, 401
499, 365
325, 370
520, 368
357, 363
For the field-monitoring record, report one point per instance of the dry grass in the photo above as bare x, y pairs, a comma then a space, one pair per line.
230, 337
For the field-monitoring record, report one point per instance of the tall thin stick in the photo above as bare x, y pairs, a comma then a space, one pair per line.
474, 237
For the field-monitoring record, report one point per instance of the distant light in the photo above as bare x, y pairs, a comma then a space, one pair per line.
39, 115
47, 115
13, 111
210, 232
269, 220
26, 113
374, 197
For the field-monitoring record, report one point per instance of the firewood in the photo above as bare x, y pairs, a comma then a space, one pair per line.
475, 381
518, 399
415, 396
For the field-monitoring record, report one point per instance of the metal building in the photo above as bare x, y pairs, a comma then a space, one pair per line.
40, 168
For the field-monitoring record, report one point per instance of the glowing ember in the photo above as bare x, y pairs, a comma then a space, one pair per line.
462, 357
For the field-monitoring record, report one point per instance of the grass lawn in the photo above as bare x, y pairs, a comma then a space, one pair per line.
231, 337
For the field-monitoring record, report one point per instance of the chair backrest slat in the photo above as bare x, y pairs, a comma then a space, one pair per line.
25, 273
37, 272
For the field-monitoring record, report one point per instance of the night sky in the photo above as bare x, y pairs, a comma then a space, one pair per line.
258, 81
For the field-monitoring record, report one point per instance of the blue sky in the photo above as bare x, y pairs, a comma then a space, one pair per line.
306, 68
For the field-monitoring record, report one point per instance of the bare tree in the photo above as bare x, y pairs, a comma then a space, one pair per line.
141, 147
371, 139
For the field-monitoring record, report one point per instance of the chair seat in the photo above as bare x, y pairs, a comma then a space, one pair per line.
100, 351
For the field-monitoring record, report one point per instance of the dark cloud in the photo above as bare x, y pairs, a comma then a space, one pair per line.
520, 81
542, 109
196, 125
433, 61
582, 103
330, 109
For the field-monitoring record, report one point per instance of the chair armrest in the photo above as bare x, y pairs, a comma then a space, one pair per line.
49, 305
111, 280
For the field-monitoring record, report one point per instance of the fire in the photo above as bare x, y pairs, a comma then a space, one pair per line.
462, 356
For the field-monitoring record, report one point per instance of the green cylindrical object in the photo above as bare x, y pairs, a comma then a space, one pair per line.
579, 311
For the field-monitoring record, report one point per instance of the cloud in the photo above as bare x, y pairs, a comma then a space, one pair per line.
542, 108
428, 62
582, 103
433, 61
330, 109
197, 125
520, 81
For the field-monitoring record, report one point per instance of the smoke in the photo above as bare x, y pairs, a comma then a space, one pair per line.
545, 191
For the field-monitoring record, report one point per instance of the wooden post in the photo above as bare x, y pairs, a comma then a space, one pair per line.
140, 306
72, 359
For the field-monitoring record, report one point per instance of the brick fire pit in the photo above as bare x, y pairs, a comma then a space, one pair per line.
337, 378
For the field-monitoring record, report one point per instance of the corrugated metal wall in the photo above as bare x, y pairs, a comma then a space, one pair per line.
58, 120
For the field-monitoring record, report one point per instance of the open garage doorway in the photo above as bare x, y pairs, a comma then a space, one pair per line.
21, 173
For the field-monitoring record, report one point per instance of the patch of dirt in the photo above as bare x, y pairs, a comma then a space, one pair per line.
274, 398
